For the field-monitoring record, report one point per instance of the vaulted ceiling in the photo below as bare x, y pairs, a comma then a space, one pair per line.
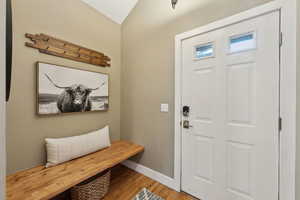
116, 10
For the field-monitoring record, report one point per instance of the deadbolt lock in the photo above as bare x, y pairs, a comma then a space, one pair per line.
186, 111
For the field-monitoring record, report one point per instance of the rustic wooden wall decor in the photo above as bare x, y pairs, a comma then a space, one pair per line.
56, 47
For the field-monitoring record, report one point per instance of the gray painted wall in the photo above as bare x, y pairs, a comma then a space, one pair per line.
76, 22
298, 105
2, 101
148, 70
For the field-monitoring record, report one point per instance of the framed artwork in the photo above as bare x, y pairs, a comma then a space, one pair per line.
63, 89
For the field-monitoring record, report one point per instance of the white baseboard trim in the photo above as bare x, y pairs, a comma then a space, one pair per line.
159, 177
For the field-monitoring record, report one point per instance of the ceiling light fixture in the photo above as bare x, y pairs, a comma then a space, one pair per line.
174, 2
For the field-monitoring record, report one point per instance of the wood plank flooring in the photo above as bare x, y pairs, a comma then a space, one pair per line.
126, 183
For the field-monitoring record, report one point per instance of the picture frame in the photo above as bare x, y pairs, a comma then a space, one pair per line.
62, 90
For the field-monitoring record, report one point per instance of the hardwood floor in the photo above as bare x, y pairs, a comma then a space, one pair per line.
126, 183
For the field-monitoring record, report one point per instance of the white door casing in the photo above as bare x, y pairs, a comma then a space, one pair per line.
231, 152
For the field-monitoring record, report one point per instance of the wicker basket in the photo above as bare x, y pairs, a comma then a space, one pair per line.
94, 188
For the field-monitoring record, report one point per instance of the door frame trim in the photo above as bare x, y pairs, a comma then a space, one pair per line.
288, 63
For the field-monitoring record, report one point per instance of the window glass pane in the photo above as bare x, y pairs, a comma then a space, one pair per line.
204, 51
242, 43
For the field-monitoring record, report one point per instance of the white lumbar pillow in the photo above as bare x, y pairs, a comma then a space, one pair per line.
64, 149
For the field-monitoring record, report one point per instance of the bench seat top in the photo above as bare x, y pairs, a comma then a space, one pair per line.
42, 183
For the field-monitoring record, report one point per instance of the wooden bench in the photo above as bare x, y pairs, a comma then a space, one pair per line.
42, 183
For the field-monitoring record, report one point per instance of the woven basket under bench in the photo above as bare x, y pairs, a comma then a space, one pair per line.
94, 188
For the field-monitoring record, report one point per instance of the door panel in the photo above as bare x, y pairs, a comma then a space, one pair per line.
204, 148
230, 152
239, 168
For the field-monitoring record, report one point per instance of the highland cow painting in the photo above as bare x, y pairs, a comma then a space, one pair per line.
69, 90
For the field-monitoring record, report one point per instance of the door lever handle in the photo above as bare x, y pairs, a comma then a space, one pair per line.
186, 124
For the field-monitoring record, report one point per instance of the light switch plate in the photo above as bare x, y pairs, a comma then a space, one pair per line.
164, 107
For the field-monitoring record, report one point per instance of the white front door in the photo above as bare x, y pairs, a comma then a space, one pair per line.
230, 83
